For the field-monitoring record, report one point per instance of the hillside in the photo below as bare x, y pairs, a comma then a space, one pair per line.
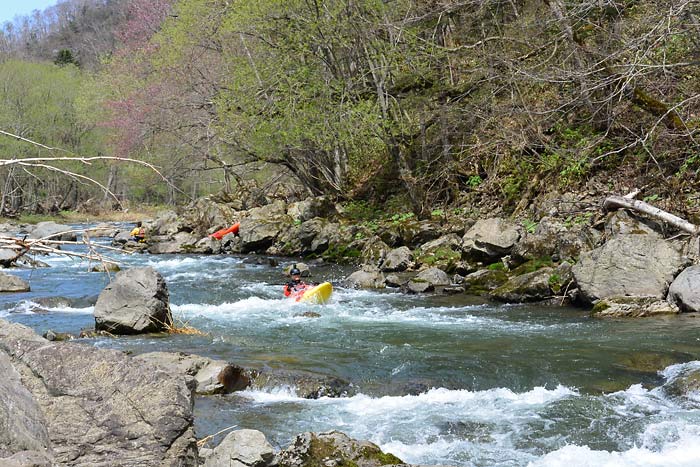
414, 105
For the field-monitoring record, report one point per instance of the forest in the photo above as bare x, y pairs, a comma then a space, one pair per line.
422, 104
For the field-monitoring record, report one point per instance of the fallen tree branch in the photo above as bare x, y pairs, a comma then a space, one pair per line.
616, 202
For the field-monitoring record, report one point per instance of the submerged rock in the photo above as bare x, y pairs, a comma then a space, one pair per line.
632, 307
333, 448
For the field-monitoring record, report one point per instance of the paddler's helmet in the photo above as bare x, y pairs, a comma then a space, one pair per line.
294, 271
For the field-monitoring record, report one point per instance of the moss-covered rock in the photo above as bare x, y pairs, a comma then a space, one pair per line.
333, 448
632, 307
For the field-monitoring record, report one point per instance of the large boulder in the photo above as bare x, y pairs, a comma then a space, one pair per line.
205, 216
333, 448
366, 279
261, 228
52, 230
137, 301
181, 242
641, 264
242, 448
490, 238
684, 292
398, 259
98, 407
529, 287
10, 283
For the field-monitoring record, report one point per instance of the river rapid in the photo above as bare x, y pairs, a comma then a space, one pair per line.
439, 380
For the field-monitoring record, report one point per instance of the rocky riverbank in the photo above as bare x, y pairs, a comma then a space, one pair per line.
71, 404
620, 261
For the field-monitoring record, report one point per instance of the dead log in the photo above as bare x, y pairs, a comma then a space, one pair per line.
616, 202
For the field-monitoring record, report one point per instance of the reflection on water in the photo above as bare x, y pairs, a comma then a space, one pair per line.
440, 380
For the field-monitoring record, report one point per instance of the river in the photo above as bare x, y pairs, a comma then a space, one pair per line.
445, 380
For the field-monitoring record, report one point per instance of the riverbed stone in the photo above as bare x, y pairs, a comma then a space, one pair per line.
333, 448
633, 307
242, 448
485, 280
97, 406
530, 287
12, 283
685, 290
636, 265
307, 385
136, 301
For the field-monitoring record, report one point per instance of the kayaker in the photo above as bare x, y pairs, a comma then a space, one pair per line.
296, 285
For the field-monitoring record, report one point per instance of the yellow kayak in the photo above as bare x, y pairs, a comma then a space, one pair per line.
319, 294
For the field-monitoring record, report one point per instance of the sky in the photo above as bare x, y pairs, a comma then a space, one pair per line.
11, 8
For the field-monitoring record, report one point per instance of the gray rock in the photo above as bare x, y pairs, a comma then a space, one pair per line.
398, 259
552, 238
22, 425
137, 301
366, 279
207, 376
684, 292
374, 252
320, 206
181, 242
490, 238
622, 222
434, 276
6, 254
28, 459
121, 237
632, 307
529, 287
419, 286
10, 283
52, 230
444, 253
102, 229
641, 265
242, 448
333, 448
106, 267
100, 406
306, 384
207, 245
259, 231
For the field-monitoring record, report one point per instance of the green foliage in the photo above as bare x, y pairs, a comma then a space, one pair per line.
496, 266
360, 211
533, 265
651, 198
474, 181
529, 225
397, 219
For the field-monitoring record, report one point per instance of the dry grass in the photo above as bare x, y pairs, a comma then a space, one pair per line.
203, 442
178, 326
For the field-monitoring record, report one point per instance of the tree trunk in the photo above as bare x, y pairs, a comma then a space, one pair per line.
615, 202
